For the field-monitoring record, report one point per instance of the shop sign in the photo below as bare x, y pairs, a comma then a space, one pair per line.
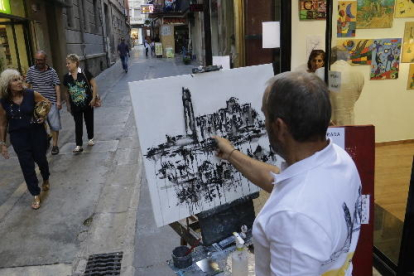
196, 7
145, 8
174, 20
5, 6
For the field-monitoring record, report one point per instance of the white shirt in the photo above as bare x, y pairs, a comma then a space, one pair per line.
311, 222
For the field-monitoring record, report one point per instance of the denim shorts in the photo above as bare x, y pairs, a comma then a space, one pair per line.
53, 118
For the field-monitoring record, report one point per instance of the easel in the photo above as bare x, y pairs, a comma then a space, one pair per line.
210, 232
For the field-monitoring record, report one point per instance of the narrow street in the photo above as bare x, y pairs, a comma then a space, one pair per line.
98, 202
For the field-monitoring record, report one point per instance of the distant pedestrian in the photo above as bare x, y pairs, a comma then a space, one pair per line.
82, 90
44, 79
123, 51
147, 45
27, 135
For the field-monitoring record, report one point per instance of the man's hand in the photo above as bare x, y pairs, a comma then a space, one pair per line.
59, 105
224, 147
4, 151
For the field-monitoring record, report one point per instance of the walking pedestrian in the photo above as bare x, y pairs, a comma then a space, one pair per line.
81, 90
123, 51
44, 79
27, 135
147, 45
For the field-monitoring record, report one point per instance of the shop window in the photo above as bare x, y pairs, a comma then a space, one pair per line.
13, 47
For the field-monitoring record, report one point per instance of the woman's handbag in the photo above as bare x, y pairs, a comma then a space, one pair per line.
41, 110
98, 100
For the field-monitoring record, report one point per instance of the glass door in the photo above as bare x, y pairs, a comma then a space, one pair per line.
14, 46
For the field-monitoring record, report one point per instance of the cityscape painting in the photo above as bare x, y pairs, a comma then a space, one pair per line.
176, 118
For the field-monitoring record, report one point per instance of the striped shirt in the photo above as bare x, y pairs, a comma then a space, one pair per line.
43, 82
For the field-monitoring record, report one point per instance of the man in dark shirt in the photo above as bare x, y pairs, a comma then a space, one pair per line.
123, 51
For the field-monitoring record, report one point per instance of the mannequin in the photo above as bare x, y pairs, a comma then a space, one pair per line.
352, 82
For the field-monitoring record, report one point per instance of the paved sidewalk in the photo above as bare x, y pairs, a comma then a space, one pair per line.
92, 205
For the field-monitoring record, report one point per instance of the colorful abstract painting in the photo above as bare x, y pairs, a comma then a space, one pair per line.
385, 58
312, 9
346, 24
408, 43
375, 14
410, 83
359, 51
404, 8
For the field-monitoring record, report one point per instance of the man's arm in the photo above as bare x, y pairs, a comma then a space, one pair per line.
58, 97
259, 173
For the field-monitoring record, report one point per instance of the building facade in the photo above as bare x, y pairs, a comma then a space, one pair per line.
88, 28
138, 19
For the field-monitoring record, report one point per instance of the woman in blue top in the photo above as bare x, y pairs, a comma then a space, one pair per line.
27, 135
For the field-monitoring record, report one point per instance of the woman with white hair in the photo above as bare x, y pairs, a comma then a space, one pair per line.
81, 91
27, 134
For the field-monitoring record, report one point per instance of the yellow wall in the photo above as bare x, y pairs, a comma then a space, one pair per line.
386, 104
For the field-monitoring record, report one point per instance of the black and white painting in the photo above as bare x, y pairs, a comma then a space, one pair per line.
176, 118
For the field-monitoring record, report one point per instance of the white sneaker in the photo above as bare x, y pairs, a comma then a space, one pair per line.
91, 142
78, 149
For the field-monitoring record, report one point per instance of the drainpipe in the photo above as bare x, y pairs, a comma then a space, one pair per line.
104, 34
82, 25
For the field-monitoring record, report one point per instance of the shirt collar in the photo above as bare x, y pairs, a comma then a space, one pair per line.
79, 71
304, 165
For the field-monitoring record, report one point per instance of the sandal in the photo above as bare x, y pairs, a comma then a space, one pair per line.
45, 185
36, 203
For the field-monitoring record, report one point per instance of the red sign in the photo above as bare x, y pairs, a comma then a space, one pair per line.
174, 20
196, 7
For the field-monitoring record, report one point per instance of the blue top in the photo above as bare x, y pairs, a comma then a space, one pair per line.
20, 117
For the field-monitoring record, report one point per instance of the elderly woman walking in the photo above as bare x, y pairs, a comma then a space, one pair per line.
82, 91
27, 134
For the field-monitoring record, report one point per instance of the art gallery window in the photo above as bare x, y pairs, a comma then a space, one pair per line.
371, 53
15, 49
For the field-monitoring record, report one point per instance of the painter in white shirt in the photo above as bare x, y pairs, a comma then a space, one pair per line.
310, 224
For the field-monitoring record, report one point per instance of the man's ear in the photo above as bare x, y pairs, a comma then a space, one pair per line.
280, 129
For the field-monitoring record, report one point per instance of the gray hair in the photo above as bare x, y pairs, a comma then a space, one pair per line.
5, 79
42, 53
301, 100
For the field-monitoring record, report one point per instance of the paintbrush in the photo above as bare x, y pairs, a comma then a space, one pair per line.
192, 247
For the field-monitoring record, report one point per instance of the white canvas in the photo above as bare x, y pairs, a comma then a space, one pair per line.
183, 174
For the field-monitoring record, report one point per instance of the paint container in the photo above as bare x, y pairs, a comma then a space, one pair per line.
180, 259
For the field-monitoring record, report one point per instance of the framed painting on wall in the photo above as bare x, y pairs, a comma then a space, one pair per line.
404, 8
410, 82
359, 51
346, 24
385, 58
375, 14
408, 44
312, 9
